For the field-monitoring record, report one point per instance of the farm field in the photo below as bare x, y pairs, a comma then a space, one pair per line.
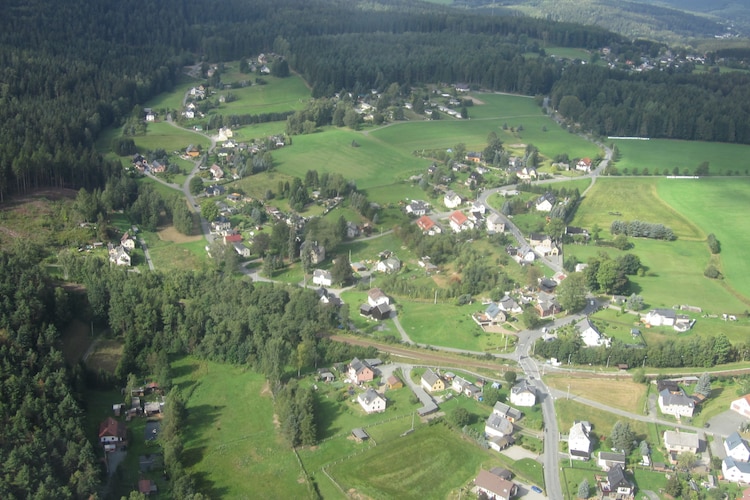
428, 463
162, 135
620, 392
660, 154
230, 433
277, 96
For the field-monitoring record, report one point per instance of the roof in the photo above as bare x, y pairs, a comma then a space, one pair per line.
369, 396
499, 423
734, 440
745, 398
492, 310
393, 380
523, 386
500, 472
743, 467
680, 399
376, 293
360, 433
667, 313
430, 377
611, 456
112, 427
357, 365
508, 411
682, 439
144, 486
425, 223
495, 484
579, 431
322, 273
459, 218
616, 477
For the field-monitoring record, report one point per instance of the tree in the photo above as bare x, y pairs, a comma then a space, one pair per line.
634, 302
209, 210
460, 417
686, 460
583, 489
195, 185
712, 272
571, 293
530, 318
674, 486
341, 272
510, 376
644, 449
555, 228
622, 436
703, 386
533, 274
713, 244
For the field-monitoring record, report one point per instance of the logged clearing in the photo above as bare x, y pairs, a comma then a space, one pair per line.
169, 233
617, 392
105, 355
76, 340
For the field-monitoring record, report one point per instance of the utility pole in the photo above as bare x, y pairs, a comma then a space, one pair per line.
568, 391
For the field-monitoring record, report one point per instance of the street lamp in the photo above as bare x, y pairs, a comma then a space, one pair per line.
608, 360
644, 361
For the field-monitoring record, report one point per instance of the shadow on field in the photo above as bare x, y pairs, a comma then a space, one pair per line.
328, 411
206, 486
200, 418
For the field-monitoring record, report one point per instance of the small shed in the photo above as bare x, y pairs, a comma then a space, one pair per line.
360, 434
394, 382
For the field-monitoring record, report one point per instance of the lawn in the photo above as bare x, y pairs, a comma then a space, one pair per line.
427, 463
230, 434
658, 154
188, 252
568, 411
617, 392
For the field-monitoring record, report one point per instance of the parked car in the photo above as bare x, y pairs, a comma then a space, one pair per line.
536, 489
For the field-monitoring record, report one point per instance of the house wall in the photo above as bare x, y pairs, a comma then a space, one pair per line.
741, 407
523, 399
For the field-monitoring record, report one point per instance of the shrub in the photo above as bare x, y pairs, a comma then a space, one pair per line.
712, 273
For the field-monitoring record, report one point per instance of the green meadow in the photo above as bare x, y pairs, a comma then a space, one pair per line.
230, 434
660, 154
277, 96
169, 138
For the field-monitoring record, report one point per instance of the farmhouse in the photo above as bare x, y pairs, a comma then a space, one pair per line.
579, 441
494, 487
493, 315
371, 401
111, 431
497, 426
523, 394
431, 382
546, 305
118, 255
376, 296
741, 406
737, 448
360, 371
322, 277
677, 442
590, 334
735, 471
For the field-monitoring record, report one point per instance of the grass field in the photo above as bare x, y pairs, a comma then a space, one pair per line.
620, 392
230, 434
428, 463
279, 95
75, 341
568, 411
169, 138
105, 355
658, 154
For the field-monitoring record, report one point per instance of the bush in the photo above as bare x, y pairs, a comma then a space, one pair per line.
712, 273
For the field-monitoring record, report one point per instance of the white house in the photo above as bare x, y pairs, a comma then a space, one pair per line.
216, 171
546, 202
459, 222
509, 305
118, 255
737, 448
452, 200
677, 442
741, 406
676, 403
417, 207
321, 277
523, 394
737, 472
579, 442
584, 165
660, 317
112, 431
495, 487
497, 426
371, 401
376, 296
389, 265
590, 334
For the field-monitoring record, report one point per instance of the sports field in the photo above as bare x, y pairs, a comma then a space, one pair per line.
660, 154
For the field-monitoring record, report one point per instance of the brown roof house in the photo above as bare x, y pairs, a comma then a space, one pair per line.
494, 486
112, 431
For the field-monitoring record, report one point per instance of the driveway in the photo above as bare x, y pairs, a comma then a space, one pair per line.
517, 453
725, 423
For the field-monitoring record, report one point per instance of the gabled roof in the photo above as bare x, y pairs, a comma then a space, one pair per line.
357, 365
681, 439
459, 218
499, 423
680, 399
369, 396
507, 411
497, 485
666, 313
523, 386
743, 467
734, 440
616, 478
425, 223
112, 427
611, 456
430, 377
376, 294
492, 310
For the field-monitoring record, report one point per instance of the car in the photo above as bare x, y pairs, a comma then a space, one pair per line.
536, 489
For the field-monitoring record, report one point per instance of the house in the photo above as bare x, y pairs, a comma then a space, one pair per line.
459, 222
523, 394
376, 296
495, 223
677, 442
325, 375
618, 485
146, 486
192, 151
507, 412
497, 426
371, 401
317, 253
241, 249
737, 448
150, 115
526, 173
734, 471
741, 406
494, 487
431, 382
458, 384
216, 171
607, 460
379, 312
322, 277
547, 285
546, 305
452, 200
474, 157
675, 402
112, 431
660, 317
127, 242
389, 265
118, 255
493, 315
417, 207
359, 371
579, 441
546, 202
590, 334
232, 238
393, 382
509, 305
429, 226
584, 165
352, 230
215, 190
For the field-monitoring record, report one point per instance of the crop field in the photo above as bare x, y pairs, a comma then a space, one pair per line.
660, 154
428, 463
632, 199
230, 434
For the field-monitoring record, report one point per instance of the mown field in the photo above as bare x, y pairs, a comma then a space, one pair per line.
659, 154
230, 434
620, 392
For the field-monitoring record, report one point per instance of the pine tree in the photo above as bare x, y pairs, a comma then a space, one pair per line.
703, 387
583, 489
622, 436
